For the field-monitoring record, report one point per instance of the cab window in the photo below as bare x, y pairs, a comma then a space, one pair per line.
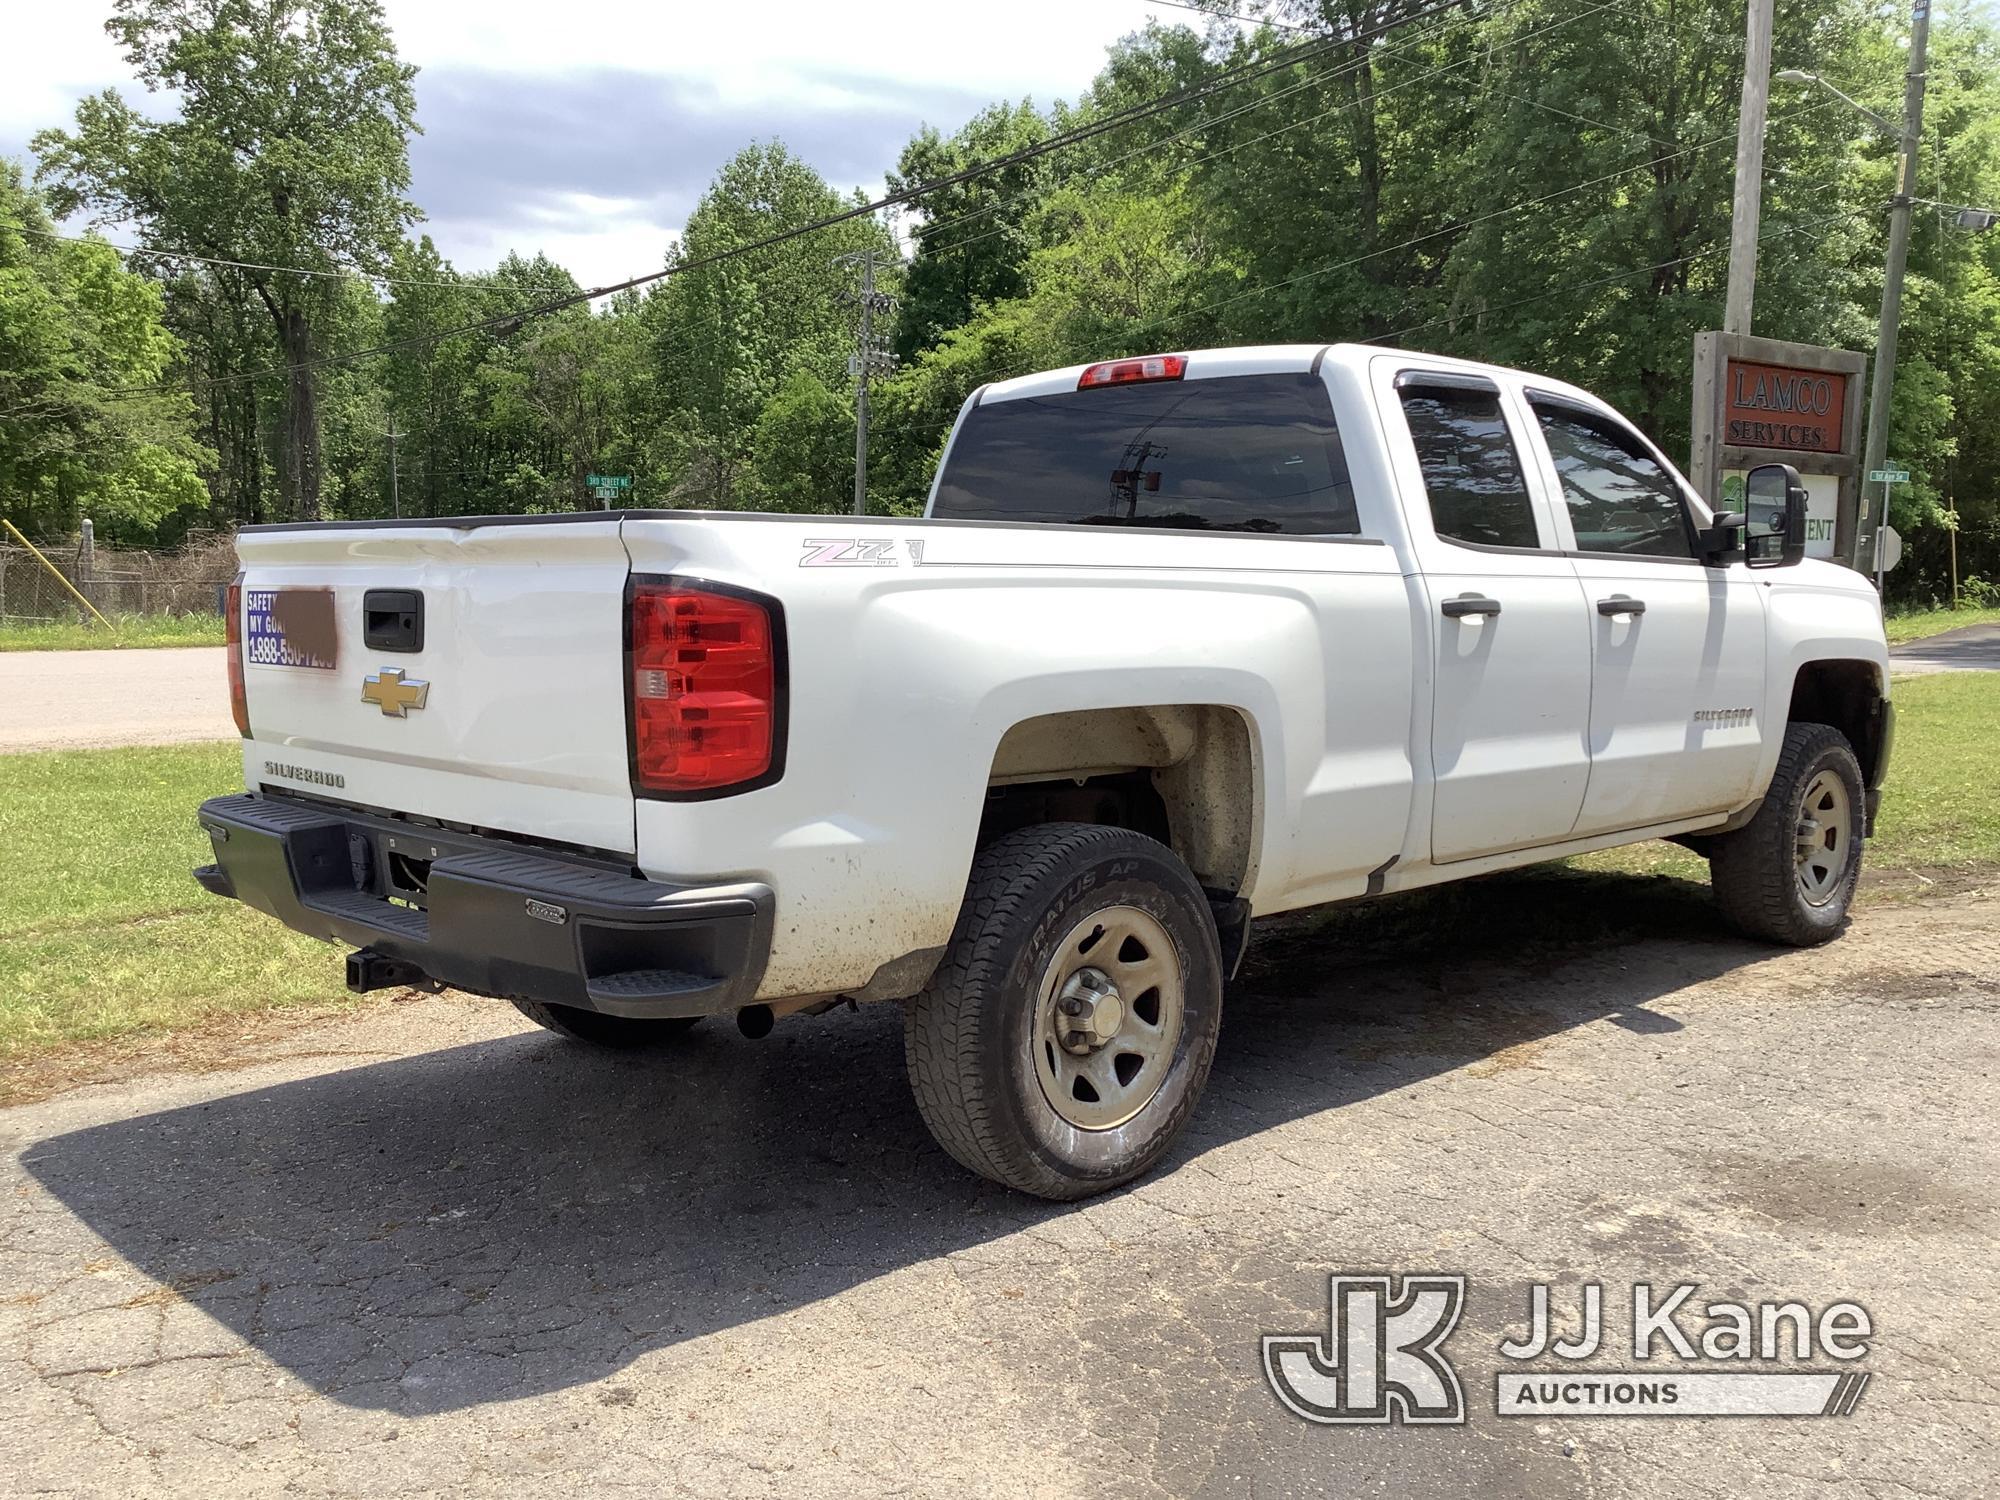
1257, 453
1472, 475
1620, 499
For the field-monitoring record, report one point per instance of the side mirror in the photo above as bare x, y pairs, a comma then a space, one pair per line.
1774, 533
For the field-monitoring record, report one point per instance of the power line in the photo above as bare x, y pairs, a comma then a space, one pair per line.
927, 231
1462, 226
958, 245
1230, 15
341, 274
1570, 288
1174, 99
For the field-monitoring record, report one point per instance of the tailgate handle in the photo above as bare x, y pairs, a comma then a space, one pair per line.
393, 620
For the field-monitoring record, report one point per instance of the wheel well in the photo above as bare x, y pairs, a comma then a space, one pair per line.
1179, 773
1848, 695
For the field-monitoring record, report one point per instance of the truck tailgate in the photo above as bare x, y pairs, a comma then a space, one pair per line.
508, 715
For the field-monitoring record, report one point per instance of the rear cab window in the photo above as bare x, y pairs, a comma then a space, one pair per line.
1256, 453
1472, 474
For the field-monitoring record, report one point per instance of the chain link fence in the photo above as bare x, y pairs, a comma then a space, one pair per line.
116, 580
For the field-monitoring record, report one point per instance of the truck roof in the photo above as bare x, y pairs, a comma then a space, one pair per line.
1274, 359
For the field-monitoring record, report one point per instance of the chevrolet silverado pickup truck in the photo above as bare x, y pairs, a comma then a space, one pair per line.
1180, 642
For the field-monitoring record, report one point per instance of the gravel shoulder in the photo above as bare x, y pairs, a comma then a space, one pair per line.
421, 1248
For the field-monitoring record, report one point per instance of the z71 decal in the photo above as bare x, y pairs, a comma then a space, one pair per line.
850, 552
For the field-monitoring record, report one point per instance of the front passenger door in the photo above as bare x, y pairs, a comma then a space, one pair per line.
1510, 703
1677, 648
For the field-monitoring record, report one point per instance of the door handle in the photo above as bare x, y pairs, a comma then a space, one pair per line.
1470, 604
1619, 604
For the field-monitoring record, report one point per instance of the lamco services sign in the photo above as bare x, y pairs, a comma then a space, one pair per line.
1782, 407
1759, 401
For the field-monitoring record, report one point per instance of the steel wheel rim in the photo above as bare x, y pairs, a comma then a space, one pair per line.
1825, 832
1108, 1014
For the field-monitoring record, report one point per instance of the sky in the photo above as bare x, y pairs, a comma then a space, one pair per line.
588, 129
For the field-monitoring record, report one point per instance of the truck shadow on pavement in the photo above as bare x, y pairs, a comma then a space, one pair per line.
520, 1216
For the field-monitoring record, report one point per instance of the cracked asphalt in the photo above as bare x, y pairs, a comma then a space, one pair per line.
423, 1250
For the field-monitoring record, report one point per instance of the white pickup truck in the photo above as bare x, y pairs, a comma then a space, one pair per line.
1181, 641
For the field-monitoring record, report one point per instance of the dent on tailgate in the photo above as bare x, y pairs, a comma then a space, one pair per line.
507, 713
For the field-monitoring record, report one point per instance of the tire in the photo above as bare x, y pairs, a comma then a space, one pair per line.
1031, 997
1765, 881
625, 1033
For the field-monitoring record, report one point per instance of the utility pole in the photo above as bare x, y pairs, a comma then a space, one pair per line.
1748, 209
861, 361
1951, 500
1883, 384
871, 357
395, 491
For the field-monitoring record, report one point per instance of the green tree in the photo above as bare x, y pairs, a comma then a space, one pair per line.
973, 243
290, 148
74, 323
804, 447
726, 336
1945, 422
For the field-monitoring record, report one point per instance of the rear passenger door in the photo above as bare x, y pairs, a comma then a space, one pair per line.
1510, 632
1677, 644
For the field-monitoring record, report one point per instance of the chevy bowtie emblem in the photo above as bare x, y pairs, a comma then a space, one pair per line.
396, 693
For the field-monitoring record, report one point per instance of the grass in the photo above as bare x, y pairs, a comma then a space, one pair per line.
103, 935
126, 631
105, 940
1940, 807
1915, 624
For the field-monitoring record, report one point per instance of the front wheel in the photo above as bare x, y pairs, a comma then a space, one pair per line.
1064, 1040
1788, 875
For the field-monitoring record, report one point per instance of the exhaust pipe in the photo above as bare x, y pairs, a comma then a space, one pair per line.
755, 1021
369, 970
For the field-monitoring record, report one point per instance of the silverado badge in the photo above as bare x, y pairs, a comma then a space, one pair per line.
396, 694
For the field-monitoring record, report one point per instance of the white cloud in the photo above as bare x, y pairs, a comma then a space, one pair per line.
783, 51
634, 106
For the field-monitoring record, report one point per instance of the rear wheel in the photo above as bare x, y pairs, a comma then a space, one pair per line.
1066, 1037
1788, 875
605, 1031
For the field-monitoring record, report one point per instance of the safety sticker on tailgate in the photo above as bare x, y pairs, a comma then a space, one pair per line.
289, 627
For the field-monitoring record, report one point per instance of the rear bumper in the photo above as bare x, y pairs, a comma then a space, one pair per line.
489, 916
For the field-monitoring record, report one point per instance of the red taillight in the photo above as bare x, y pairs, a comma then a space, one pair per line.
1128, 371
704, 688
239, 702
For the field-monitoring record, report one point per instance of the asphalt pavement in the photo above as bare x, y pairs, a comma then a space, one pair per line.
74, 700
425, 1250
1970, 648
56, 700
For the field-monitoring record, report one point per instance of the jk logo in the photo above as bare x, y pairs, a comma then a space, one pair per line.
1379, 1359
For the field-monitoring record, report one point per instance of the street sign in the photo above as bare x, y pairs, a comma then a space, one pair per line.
605, 488
1890, 475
